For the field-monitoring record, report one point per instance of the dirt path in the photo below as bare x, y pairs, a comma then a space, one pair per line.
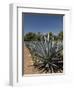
28, 63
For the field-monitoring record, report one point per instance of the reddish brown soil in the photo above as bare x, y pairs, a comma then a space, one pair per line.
28, 63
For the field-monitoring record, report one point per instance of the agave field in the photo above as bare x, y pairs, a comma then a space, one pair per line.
47, 53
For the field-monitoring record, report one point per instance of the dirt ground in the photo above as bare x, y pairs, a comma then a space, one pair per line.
28, 63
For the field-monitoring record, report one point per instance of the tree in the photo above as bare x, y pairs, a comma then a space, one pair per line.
60, 36
50, 35
30, 37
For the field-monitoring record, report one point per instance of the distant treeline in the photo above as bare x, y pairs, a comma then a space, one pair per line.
31, 36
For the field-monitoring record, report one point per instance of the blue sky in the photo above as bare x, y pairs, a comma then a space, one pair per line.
42, 23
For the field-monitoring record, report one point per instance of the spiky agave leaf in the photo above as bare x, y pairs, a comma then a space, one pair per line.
46, 52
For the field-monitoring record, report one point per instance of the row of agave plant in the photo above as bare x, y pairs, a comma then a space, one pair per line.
47, 55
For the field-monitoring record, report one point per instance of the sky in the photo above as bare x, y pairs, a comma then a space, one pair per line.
42, 23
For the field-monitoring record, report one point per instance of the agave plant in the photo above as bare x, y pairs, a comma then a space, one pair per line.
47, 55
